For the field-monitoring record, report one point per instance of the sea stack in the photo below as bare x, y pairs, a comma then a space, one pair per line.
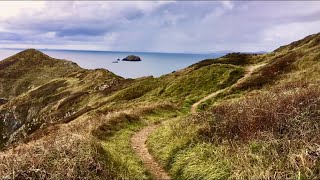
132, 58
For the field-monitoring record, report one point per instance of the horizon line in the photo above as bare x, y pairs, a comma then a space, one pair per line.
149, 52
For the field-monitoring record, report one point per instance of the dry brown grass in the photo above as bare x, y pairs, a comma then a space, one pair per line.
70, 151
278, 65
270, 134
60, 155
289, 110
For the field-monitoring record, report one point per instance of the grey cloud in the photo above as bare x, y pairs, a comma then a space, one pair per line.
187, 26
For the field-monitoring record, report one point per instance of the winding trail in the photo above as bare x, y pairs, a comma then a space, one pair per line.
249, 71
138, 140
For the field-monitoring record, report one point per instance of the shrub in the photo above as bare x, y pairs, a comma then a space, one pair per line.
281, 112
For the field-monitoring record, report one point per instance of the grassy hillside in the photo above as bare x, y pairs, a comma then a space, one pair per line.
42, 90
29, 69
267, 127
182, 88
62, 121
49, 98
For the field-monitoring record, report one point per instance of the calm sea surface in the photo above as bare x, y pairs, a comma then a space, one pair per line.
152, 64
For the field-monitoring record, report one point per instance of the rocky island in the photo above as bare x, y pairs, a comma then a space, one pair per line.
132, 58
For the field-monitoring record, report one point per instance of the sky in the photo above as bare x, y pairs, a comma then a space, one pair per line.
157, 26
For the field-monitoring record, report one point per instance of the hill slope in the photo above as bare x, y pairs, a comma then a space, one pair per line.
265, 127
62, 121
42, 90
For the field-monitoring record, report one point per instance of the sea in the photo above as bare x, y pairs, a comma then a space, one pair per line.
151, 64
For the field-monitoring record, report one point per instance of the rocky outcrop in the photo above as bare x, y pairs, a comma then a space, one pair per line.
132, 58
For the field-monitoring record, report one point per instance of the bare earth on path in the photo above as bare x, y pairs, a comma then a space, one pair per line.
138, 142
248, 73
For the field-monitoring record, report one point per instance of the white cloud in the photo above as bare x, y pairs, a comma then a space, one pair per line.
287, 33
186, 26
227, 4
13, 8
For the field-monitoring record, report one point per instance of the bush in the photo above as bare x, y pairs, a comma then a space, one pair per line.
293, 113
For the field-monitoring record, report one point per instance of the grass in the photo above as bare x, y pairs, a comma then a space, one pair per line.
175, 146
60, 155
180, 89
201, 161
31, 69
137, 90
265, 128
270, 72
169, 139
123, 160
51, 91
206, 79
264, 135
238, 59
75, 150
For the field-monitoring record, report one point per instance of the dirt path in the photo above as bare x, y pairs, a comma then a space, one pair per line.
248, 73
138, 142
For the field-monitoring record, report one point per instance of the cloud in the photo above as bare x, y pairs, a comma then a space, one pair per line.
228, 4
10, 9
285, 33
168, 26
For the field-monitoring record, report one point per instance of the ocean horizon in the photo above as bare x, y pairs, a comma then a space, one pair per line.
153, 63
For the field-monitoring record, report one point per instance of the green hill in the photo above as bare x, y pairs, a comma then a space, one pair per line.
266, 127
42, 90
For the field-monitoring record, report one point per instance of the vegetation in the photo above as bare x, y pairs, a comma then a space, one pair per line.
257, 132
76, 150
61, 121
179, 87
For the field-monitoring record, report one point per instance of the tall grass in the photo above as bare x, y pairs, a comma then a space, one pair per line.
270, 134
60, 155
79, 150
287, 113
